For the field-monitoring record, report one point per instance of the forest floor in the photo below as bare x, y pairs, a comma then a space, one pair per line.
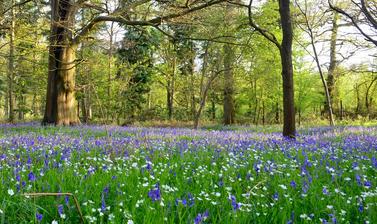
177, 175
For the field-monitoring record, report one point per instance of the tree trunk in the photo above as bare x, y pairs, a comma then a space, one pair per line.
333, 62
213, 109
277, 113
169, 100
170, 91
21, 107
289, 127
11, 99
228, 118
328, 105
367, 100
60, 98
263, 114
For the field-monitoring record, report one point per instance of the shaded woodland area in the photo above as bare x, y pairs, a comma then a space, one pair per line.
226, 62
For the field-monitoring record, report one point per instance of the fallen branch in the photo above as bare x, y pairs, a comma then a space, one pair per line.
59, 194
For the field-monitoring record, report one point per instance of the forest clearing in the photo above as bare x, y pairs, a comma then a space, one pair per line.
188, 111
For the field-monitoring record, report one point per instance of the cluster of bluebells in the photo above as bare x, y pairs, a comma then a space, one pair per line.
159, 175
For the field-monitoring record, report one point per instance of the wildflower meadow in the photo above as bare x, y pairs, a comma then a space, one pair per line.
166, 175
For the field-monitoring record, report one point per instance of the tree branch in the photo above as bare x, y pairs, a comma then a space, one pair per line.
268, 35
152, 22
354, 22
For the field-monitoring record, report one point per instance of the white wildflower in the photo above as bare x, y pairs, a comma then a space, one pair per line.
10, 192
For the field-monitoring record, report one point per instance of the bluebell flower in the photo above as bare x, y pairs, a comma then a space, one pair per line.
184, 201
234, 203
66, 200
155, 193
103, 204
325, 191
358, 179
361, 207
39, 217
31, 177
276, 196
60, 209
191, 200
201, 217
293, 184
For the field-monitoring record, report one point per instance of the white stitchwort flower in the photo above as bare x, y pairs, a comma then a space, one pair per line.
10, 192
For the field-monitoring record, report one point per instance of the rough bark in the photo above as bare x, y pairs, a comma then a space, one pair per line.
60, 98
289, 126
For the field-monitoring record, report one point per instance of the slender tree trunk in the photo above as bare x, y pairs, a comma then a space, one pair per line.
358, 104
228, 118
11, 66
192, 90
60, 97
213, 109
333, 62
109, 70
324, 83
168, 100
34, 105
170, 91
263, 114
341, 110
6, 106
277, 113
367, 100
299, 117
21, 107
328, 105
289, 127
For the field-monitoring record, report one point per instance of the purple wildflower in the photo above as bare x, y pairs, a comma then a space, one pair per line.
201, 217
31, 177
155, 193
39, 217
60, 209
325, 191
293, 184
66, 199
234, 203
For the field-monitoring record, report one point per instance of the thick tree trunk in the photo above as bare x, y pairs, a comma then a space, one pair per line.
228, 118
60, 98
289, 127
11, 100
